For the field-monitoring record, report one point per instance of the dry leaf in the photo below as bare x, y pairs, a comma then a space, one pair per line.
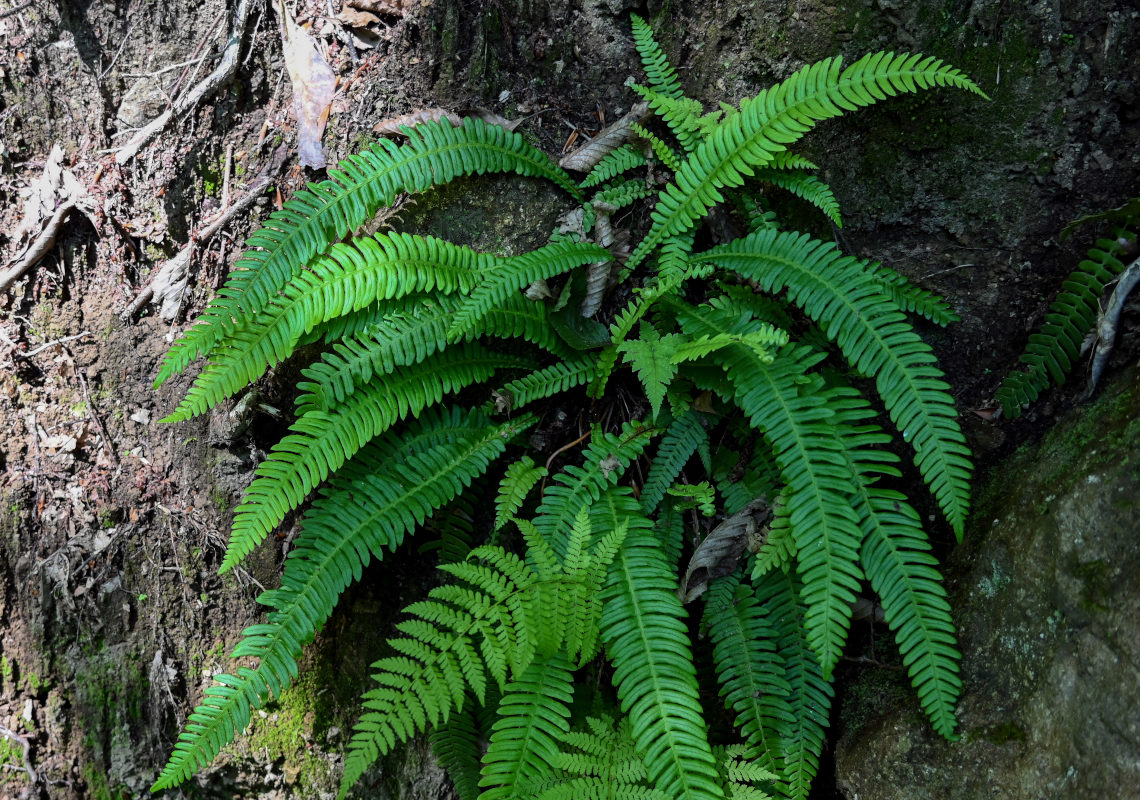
357, 19
392, 125
392, 8
585, 157
313, 87
56, 188
720, 553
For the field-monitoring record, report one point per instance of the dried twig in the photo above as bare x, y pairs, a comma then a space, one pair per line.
44, 242
53, 343
23, 741
17, 9
187, 102
170, 279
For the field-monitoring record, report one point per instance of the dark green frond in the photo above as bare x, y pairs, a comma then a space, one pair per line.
322, 441
618, 197
1053, 350
534, 715
511, 275
775, 118
681, 114
555, 379
911, 298
457, 746
435, 153
351, 277
366, 511
801, 730
682, 438
876, 339
623, 159
807, 187
750, 673
647, 641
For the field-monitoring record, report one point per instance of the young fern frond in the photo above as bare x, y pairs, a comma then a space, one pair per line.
1057, 345
521, 478
435, 153
658, 73
682, 115
618, 197
775, 118
322, 441
663, 151
366, 511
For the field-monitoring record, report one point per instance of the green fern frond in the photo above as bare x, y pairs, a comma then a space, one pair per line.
351, 277
456, 744
647, 642
534, 715
660, 76
618, 197
876, 339
681, 114
780, 547
777, 117
511, 275
1056, 346
651, 357
604, 461
750, 673
806, 187
435, 153
458, 639
366, 511
623, 159
322, 441
521, 477
800, 729
681, 439
911, 298
663, 151
555, 379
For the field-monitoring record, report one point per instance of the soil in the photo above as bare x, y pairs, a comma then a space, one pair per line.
112, 524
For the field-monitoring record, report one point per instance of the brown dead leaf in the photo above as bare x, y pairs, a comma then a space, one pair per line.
392, 125
313, 87
585, 157
357, 19
392, 8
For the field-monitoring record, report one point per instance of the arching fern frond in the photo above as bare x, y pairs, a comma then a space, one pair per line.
555, 379
322, 441
349, 278
618, 197
681, 114
806, 187
910, 297
647, 642
778, 117
660, 76
876, 339
521, 478
458, 747
366, 511
435, 153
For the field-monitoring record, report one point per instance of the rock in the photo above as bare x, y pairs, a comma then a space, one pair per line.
1048, 613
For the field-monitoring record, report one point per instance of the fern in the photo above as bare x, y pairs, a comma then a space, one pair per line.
735, 355
1054, 349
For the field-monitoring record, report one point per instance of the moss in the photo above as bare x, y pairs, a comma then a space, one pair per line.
876, 692
11, 755
1005, 732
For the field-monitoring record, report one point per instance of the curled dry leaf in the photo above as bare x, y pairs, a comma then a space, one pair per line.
720, 553
313, 86
585, 157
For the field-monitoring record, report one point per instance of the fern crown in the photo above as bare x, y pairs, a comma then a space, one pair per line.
724, 462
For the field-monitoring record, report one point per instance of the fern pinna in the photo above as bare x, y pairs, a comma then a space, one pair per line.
436, 363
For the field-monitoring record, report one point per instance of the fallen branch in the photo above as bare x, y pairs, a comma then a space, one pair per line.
1109, 320
22, 740
171, 279
189, 101
43, 243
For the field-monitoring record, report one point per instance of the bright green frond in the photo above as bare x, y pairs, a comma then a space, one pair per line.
661, 77
351, 277
534, 715
648, 643
876, 339
651, 356
322, 441
435, 153
681, 114
521, 477
776, 118
366, 511
618, 197
555, 379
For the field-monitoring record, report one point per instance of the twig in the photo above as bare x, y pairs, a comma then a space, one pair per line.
44, 242
1109, 319
22, 740
227, 65
95, 417
45, 346
158, 72
170, 275
17, 9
